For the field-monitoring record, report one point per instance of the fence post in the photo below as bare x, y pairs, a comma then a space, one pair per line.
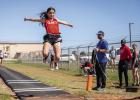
88, 53
78, 57
68, 58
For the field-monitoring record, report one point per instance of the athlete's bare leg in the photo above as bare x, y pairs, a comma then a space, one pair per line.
57, 51
133, 74
45, 51
137, 77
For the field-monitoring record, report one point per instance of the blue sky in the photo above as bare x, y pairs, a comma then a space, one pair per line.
87, 16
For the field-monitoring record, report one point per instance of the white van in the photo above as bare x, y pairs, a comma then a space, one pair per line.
66, 58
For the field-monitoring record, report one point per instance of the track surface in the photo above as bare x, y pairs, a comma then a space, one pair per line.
26, 87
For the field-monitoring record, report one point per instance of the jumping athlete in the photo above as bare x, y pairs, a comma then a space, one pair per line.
52, 38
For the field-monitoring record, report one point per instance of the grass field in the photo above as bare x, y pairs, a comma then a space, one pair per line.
71, 82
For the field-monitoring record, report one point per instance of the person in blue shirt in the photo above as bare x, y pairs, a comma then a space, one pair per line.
101, 61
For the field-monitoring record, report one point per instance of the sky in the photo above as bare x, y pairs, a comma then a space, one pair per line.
87, 16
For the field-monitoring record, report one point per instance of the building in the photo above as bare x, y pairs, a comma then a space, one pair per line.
15, 49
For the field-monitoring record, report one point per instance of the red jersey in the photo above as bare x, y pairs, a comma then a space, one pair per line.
52, 26
125, 53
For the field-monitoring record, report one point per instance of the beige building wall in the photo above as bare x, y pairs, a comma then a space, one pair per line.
13, 48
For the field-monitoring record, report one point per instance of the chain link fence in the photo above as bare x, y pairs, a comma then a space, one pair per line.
31, 57
71, 58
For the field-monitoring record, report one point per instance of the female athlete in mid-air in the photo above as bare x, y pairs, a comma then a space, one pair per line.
52, 38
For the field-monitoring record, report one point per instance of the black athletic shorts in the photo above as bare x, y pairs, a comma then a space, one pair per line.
52, 39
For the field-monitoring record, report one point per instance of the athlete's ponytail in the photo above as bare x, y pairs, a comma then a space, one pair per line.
44, 14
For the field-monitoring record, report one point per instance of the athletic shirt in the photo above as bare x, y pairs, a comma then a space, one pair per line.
125, 53
52, 26
113, 53
101, 57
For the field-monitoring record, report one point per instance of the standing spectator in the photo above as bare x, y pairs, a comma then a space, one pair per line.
100, 67
112, 54
125, 58
1, 57
135, 66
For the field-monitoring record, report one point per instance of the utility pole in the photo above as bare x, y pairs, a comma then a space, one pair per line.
130, 34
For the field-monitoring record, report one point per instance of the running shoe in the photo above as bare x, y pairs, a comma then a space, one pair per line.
56, 66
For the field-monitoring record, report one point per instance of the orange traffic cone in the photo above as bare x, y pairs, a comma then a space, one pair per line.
89, 83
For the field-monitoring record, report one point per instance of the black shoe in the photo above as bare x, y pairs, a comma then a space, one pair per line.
133, 84
137, 85
95, 88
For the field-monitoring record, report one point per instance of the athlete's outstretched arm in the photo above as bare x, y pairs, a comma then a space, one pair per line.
34, 20
64, 23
